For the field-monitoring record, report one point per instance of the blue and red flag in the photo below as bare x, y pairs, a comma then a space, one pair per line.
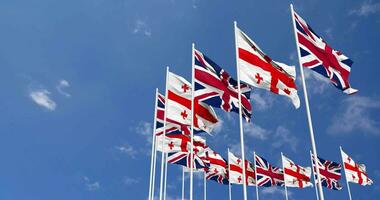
267, 174
317, 55
215, 87
330, 173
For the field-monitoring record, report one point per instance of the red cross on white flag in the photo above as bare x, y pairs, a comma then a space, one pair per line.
355, 173
296, 175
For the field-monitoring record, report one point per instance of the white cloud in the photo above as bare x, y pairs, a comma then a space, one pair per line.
41, 98
256, 131
130, 180
262, 100
366, 8
315, 82
127, 149
91, 186
275, 190
355, 114
218, 127
141, 27
145, 129
61, 86
283, 137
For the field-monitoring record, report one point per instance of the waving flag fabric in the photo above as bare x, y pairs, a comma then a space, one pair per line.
236, 170
317, 55
173, 143
296, 175
217, 170
170, 127
179, 107
329, 172
259, 70
215, 87
355, 173
267, 174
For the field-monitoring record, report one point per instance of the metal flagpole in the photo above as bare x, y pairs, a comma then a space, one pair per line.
204, 186
164, 136
240, 115
154, 168
314, 148
192, 121
229, 174
183, 183
312, 168
348, 185
153, 148
166, 174
286, 190
257, 187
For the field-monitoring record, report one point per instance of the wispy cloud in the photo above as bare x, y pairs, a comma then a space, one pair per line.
264, 100
283, 137
141, 27
366, 8
41, 97
256, 131
61, 86
145, 129
270, 191
355, 114
317, 84
127, 149
130, 181
91, 186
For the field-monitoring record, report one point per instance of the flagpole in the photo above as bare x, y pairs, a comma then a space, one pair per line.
286, 190
240, 115
312, 168
166, 174
183, 183
153, 147
164, 136
229, 175
257, 187
314, 148
348, 185
204, 186
192, 121
154, 168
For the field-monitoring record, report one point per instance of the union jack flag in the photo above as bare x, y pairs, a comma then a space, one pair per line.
317, 55
217, 169
330, 173
267, 174
215, 87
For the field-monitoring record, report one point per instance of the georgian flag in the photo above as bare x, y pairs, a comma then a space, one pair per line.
173, 143
160, 114
217, 170
355, 173
236, 170
259, 70
296, 175
179, 106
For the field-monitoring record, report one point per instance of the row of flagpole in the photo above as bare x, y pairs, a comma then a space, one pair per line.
163, 174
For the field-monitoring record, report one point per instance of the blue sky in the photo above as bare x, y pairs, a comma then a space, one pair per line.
78, 80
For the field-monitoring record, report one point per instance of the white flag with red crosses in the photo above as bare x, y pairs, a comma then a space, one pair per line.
296, 175
173, 143
355, 173
236, 171
179, 106
259, 70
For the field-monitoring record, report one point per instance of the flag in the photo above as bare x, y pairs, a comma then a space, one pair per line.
329, 172
267, 174
160, 113
217, 169
236, 172
355, 173
179, 107
183, 155
317, 55
296, 175
215, 87
259, 70
173, 143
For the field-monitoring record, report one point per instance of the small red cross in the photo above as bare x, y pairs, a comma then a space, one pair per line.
259, 78
195, 150
184, 114
239, 179
171, 145
215, 170
185, 87
238, 161
287, 91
